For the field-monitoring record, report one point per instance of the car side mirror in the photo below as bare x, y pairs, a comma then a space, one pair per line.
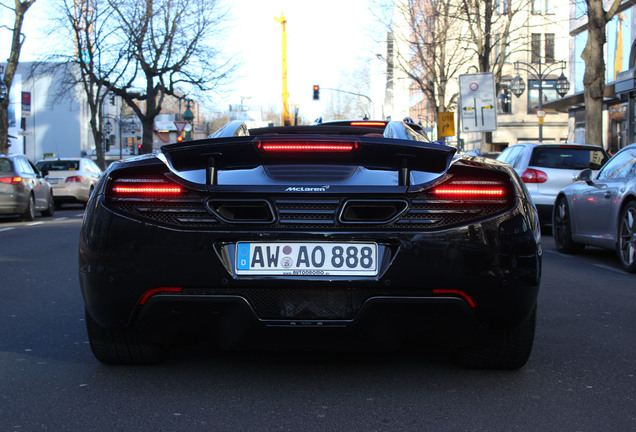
585, 175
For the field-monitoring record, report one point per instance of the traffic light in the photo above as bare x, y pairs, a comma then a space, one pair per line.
179, 138
316, 92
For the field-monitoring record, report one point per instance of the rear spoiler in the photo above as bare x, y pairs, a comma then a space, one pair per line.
242, 151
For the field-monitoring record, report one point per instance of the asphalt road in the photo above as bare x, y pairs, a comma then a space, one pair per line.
580, 377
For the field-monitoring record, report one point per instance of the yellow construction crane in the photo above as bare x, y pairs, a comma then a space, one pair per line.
286, 117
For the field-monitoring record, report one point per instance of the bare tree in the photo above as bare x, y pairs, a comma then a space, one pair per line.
89, 25
20, 8
168, 50
492, 36
594, 77
427, 50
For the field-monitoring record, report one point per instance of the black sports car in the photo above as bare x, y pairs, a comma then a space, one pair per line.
359, 231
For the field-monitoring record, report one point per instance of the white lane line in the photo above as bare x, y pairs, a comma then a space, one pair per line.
34, 223
61, 219
6, 229
610, 268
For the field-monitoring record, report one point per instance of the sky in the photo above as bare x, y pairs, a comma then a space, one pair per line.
326, 42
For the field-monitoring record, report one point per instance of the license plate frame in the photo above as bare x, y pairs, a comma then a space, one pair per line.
306, 259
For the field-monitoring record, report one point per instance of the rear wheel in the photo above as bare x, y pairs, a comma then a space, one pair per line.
562, 228
125, 345
626, 244
502, 349
29, 213
50, 211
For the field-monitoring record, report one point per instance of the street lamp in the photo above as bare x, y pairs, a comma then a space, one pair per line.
188, 117
517, 86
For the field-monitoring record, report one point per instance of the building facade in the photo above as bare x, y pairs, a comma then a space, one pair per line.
535, 49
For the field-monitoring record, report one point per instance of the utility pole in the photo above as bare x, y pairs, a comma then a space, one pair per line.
286, 117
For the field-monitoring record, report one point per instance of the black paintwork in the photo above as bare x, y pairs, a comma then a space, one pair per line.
495, 261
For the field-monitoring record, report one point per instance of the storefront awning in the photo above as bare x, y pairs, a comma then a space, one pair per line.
577, 100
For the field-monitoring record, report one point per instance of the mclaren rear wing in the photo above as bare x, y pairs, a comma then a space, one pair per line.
232, 147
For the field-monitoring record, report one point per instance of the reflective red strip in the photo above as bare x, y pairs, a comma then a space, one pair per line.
456, 292
154, 291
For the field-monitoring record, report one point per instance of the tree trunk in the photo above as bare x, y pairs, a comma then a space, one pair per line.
594, 78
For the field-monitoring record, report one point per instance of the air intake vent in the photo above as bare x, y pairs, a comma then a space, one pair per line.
357, 211
242, 211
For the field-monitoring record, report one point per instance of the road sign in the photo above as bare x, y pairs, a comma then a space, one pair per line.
478, 103
26, 104
446, 124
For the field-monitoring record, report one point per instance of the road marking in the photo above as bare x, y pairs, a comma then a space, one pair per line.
6, 229
34, 223
610, 268
60, 219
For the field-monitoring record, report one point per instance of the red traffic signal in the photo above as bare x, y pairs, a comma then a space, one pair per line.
316, 92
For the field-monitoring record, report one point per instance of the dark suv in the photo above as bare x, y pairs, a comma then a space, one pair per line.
23, 189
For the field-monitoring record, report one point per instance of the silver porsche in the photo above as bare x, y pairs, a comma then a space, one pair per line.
601, 210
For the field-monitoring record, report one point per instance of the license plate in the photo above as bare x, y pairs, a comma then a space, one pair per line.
307, 259
52, 181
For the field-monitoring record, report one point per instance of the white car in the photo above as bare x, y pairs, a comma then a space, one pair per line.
547, 168
72, 179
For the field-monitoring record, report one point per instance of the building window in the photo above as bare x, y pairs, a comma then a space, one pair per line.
549, 47
535, 48
543, 7
502, 6
504, 98
548, 90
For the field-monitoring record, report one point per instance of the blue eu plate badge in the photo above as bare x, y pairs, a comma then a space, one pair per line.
243, 256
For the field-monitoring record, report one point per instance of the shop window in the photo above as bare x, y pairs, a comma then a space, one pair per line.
548, 91
504, 98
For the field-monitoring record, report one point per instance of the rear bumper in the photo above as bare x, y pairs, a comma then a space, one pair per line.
427, 279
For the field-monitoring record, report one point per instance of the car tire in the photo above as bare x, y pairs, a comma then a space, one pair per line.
502, 349
122, 346
562, 228
29, 213
626, 238
50, 211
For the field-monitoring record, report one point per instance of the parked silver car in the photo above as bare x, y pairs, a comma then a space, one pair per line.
23, 189
73, 179
547, 168
600, 211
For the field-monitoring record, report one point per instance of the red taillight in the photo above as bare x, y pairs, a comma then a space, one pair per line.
152, 190
145, 187
463, 191
153, 291
462, 294
11, 180
534, 176
299, 146
74, 179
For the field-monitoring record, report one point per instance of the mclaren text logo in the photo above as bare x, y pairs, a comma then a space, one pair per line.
307, 189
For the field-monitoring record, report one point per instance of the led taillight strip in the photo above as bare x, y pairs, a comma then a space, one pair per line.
368, 123
306, 147
153, 190
466, 191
